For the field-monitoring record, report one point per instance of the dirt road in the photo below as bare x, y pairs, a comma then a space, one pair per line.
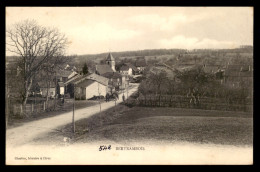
24, 135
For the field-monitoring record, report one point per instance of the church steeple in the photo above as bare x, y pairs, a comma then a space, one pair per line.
111, 61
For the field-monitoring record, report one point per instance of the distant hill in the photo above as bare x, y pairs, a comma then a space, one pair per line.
79, 59
160, 52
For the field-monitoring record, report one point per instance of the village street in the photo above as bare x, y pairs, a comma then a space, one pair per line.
24, 135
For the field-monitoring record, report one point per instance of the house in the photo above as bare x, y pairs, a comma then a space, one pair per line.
63, 76
128, 69
69, 84
90, 85
117, 81
61, 89
69, 68
140, 64
108, 67
101, 69
47, 89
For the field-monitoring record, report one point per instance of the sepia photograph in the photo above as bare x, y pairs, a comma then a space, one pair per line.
129, 85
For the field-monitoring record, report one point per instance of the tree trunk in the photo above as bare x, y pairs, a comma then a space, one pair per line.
27, 89
47, 94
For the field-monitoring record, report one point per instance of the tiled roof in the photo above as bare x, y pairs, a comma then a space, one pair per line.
101, 69
132, 66
63, 73
124, 68
94, 77
113, 75
74, 79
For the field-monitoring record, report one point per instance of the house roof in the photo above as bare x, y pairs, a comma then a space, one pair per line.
61, 84
68, 67
110, 57
74, 79
72, 74
124, 68
101, 69
132, 66
63, 73
93, 77
86, 83
113, 75
140, 63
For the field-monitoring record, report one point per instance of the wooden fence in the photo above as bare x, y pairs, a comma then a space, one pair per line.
204, 103
33, 109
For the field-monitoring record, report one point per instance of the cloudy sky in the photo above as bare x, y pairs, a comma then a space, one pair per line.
101, 29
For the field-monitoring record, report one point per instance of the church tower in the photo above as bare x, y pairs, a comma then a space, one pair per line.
111, 61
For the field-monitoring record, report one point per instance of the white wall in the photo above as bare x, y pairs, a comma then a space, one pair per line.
62, 90
130, 71
140, 68
51, 92
92, 90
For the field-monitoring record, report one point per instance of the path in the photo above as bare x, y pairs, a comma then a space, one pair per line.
23, 135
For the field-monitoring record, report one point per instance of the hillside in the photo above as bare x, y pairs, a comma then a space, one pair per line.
160, 55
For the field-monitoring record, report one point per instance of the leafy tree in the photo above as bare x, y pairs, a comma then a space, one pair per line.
85, 69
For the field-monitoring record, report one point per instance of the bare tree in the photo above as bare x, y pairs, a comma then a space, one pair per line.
158, 79
35, 45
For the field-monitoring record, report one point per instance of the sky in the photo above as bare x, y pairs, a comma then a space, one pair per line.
92, 30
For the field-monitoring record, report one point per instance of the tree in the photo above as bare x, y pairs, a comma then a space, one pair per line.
36, 45
158, 79
85, 69
195, 82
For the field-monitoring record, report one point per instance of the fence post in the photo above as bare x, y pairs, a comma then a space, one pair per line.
44, 106
21, 110
32, 107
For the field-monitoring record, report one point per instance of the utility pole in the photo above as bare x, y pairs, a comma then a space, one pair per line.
7, 104
55, 90
73, 116
127, 89
99, 99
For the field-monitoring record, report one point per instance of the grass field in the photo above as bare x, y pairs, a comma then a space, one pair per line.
170, 125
